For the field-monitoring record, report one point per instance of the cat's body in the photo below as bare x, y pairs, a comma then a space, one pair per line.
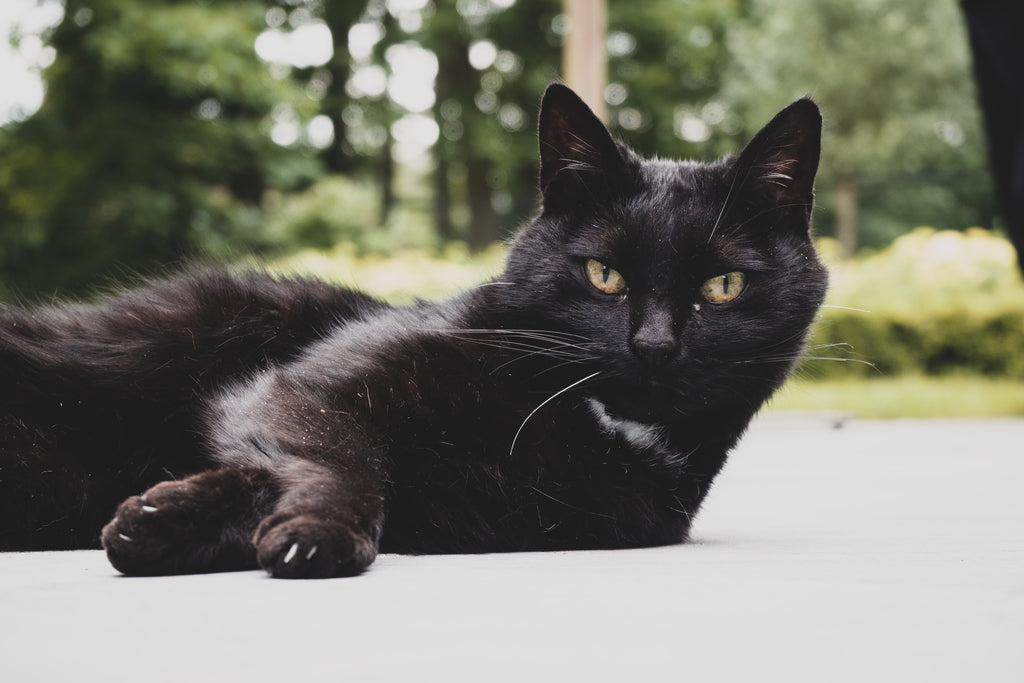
585, 398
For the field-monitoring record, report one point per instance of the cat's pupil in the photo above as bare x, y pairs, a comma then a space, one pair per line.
606, 272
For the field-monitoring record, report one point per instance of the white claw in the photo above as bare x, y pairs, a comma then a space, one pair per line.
311, 553
148, 508
124, 538
291, 553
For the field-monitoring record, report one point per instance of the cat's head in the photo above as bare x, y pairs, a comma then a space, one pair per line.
691, 286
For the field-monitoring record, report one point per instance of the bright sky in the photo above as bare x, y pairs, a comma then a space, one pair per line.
21, 92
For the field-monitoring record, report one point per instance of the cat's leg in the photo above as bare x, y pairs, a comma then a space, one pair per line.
203, 523
326, 523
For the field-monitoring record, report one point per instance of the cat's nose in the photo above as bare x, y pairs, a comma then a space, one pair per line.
654, 342
655, 353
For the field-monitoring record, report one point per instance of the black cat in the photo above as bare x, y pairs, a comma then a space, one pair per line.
586, 398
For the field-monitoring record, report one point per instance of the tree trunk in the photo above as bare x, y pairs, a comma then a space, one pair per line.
442, 193
846, 215
483, 221
386, 171
339, 16
443, 149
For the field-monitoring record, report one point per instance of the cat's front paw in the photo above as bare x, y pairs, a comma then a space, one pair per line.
194, 525
148, 537
304, 546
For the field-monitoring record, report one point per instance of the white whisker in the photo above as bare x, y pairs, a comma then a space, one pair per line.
491, 284
846, 308
725, 205
544, 403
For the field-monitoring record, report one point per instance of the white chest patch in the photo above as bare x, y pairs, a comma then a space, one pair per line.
646, 439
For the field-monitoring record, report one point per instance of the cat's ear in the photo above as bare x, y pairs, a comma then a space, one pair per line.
579, 160
778, 166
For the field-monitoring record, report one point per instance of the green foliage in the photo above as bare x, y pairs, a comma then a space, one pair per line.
151, 144
664, 58
340, 211
935, 302
403, 276
332, 210
666, 62
895, 84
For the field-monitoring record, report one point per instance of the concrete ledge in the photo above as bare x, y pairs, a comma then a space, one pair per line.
881, 551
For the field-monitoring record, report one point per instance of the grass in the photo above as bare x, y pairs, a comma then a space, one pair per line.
904, 397
400, 277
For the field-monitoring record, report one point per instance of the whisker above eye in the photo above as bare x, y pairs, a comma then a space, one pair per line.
768, 211
725, 206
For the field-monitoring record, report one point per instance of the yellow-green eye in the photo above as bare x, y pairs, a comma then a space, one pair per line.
606, 279
722, 288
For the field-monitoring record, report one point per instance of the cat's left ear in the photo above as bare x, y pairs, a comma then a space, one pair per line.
579, 160
779, 164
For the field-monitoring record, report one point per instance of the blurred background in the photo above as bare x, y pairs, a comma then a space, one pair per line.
391, 144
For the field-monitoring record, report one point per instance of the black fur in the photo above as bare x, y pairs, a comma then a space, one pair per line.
304, 428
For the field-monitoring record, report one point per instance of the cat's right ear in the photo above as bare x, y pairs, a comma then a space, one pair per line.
579, 160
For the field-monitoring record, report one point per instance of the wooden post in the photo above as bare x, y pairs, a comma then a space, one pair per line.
846, 215
584, 61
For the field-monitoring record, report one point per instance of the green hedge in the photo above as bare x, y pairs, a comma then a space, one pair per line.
931, 303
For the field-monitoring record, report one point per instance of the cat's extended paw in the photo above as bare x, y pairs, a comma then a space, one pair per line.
306, 547
152, 533
194, 525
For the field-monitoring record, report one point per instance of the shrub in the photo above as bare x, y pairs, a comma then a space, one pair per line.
339, 210
931, 303
402, 276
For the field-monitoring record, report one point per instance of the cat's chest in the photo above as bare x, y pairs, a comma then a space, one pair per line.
523, 429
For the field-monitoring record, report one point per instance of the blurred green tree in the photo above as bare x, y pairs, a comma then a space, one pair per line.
153, 142
163, 135
666, 61
901, 122
495, 59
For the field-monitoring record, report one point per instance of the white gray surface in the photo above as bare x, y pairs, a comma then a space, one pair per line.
877, 552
